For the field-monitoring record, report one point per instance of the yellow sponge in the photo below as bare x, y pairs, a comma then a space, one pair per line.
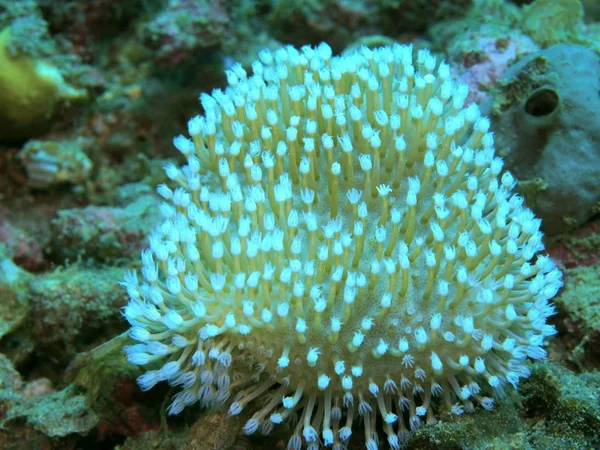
30, 91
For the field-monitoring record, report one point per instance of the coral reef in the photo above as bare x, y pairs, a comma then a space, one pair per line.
91, 93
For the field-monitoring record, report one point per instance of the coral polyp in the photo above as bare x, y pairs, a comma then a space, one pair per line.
341, 249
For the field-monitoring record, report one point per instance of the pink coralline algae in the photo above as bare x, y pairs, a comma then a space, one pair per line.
482, 67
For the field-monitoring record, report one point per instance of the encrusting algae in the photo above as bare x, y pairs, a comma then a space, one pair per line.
342, 247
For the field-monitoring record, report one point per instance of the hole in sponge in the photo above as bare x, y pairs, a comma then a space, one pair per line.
542, 102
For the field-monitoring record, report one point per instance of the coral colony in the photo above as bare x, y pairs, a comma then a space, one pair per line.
341, 250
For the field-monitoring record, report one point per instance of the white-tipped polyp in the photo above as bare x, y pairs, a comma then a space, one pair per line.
283, 362
235, 409
148, 380
323, 382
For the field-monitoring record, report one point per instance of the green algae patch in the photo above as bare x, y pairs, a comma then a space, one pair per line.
10, 384
500, 429
13, 308
30, 92
104, 233
579, 307
33, 416
56, 415
14, 304
556, 409
73, 309
564, 407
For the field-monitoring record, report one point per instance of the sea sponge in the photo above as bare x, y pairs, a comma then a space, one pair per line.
548, 128
30, 92
340, 247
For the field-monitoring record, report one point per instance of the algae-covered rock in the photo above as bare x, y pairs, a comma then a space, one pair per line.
14, 305
563, 406
339, 22
120, 405
56, 415
10, 385
74, 308
183, 28
20, 245
578, 248
215, 431
500, 429
554, 21
33, 416
579, 313
558, 410
13, 308
104, 233
592, 10
548, 131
